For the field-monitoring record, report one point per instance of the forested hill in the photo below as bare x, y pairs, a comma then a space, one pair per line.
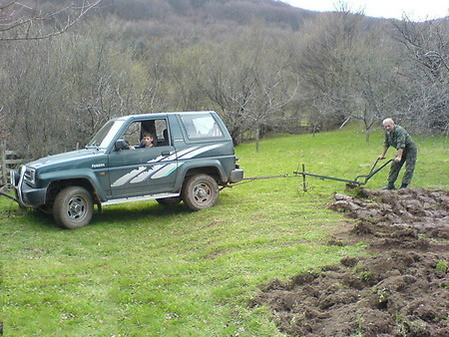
210, 11
199, 17
263, 65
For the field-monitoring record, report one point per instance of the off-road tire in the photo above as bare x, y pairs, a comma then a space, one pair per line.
169, 201
73, 207
200, 191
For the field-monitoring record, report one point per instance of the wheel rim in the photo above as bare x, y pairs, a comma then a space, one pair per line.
77, 208
202, 193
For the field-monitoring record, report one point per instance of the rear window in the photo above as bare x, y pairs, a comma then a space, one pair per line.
201, 126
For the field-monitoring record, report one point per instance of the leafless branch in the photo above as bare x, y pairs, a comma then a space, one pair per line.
20, 20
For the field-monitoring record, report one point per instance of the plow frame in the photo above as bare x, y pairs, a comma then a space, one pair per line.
359, 180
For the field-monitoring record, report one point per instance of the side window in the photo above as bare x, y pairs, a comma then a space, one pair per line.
147, 133
201, 126
161, 132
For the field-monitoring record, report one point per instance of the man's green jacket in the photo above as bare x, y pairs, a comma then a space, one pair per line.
398, 138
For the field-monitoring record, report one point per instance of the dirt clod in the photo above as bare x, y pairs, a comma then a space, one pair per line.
401, 291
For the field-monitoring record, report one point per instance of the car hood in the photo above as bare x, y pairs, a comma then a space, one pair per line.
65, 157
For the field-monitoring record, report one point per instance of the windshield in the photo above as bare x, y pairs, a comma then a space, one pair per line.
104, 137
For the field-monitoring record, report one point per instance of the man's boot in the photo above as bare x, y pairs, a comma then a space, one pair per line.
390, 186
403, 186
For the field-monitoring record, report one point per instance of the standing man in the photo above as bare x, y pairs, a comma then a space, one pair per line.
397, 137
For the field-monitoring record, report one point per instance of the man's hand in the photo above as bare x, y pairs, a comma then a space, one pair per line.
381, 157
399, 155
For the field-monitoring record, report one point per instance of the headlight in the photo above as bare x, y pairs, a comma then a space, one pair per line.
30, 176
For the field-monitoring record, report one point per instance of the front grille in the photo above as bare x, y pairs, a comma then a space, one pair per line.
29, 176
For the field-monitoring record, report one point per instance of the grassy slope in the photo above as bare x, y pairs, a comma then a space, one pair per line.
144, 270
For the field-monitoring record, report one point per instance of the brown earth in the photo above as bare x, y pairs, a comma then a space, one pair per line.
403, 290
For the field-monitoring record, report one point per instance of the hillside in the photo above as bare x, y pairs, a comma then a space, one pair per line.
209, 12
263, 65
187, 19
190, 19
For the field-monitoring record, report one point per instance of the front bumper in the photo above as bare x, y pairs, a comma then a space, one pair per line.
26, 195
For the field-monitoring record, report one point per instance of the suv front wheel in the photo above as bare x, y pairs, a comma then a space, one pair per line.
73, 207
200, 191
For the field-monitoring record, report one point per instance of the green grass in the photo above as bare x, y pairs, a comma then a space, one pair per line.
144, 270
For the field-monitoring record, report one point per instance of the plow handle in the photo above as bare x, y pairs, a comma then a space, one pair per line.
373, 171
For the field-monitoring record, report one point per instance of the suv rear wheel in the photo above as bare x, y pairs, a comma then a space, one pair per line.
200, 191
73, 207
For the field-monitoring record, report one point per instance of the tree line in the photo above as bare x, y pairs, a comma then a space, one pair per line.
329, 68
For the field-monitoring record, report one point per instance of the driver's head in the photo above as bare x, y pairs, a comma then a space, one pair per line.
147, 139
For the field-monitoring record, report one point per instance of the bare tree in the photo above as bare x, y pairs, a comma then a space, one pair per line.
376, 78
425, 72
348, 71
56, 93
246, 78
28, 20
3, 128
325, 66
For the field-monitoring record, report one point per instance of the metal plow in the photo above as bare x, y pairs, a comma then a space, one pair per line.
360, 180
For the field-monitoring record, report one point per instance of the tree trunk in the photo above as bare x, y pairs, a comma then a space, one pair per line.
257, 137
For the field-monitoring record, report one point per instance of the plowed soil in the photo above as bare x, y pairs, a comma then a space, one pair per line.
401, 290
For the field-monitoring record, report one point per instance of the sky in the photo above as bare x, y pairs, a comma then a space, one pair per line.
416, 10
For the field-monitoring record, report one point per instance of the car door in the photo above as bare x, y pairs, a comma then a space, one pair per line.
141, 170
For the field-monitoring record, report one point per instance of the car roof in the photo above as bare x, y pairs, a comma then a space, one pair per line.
147, 115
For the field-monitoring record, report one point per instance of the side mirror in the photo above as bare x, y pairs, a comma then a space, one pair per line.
121, 144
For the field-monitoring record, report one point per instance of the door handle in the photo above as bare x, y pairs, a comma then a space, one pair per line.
165, 153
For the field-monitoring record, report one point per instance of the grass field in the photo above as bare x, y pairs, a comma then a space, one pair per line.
144, 270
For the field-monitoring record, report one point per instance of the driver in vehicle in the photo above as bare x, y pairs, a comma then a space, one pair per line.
147, 141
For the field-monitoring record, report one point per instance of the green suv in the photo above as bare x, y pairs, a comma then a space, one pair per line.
186, 156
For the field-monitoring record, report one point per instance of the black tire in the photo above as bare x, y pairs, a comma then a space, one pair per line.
200, 191
73, 207
169, 201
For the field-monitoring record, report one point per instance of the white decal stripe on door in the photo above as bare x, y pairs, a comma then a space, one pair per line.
201, 150
165, 171
160, 171
144, 175
127, 177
